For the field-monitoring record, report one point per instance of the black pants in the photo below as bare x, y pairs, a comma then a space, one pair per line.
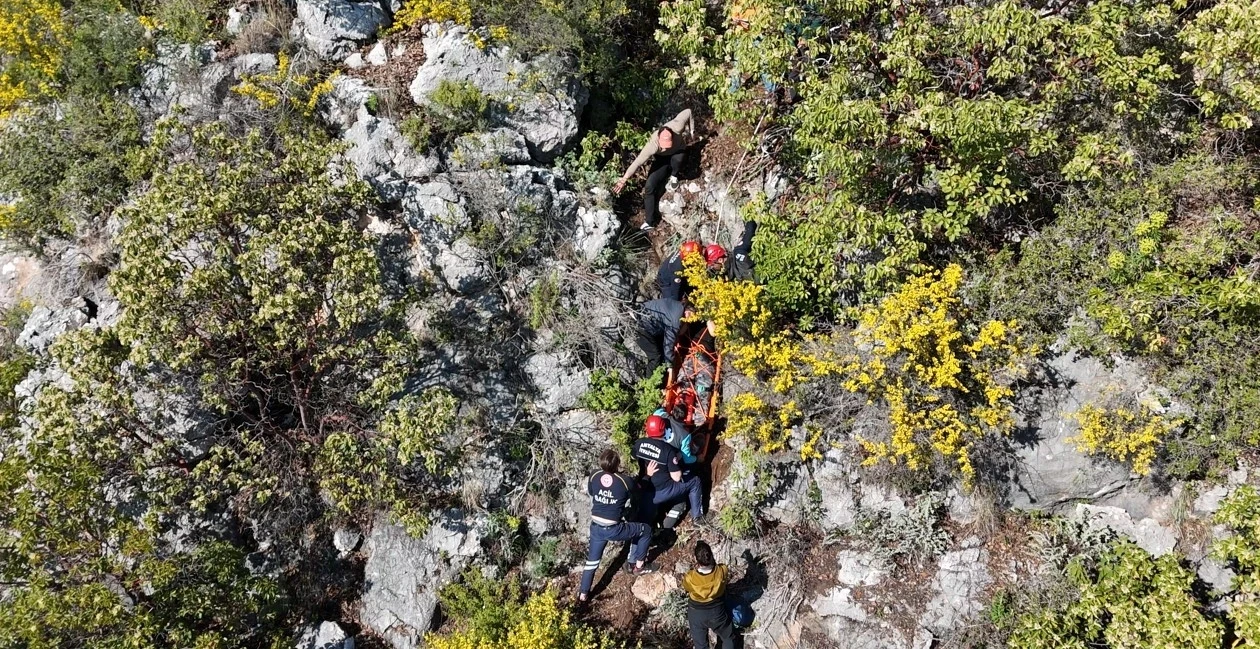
710, 616
653, 345
662, 168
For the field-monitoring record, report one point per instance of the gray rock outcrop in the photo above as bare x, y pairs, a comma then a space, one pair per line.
541, 99
403, 575
1052, 473
328, 635
959, 586
331, 29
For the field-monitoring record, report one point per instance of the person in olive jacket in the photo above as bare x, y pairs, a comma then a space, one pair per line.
706, 605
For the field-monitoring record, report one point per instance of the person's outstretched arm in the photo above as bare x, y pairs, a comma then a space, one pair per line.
646, 153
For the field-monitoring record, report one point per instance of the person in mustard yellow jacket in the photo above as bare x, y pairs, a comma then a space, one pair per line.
706, 606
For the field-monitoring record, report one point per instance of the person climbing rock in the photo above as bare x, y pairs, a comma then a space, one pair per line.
670, 276
666, 148
705, 584
739, 264
610, 494
659, 321
662, 464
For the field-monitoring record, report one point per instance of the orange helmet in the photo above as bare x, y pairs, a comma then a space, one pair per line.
655, 427
713, 253
688, 248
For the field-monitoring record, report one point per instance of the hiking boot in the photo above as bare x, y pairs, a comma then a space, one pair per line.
646, 227
646, 569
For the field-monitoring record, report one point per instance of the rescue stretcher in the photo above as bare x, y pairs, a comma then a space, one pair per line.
694, 388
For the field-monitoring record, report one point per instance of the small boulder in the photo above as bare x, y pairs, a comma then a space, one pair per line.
377, 55
346, 541
652, 588
331, 29
1148, 533
328, 635
594, 233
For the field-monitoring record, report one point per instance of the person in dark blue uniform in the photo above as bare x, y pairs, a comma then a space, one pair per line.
610, 496
663, 465
670, 276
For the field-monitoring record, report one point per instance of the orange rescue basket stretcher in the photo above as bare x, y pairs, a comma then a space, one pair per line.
697, 362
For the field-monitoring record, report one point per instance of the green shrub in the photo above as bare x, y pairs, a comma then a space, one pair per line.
418, 129
15, 362
459, 106
1129, 600
971, 110
544, 301
914, 534
589, 166
185, 21
1152, 265
104, 50
493, 613
68, 167
1240, 512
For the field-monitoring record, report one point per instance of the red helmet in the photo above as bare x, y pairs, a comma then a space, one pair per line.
655, 427
688, 248
713, 253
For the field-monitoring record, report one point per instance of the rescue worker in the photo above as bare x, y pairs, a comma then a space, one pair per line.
670, 276
705, 584
668, 485
611, 493
666, 148
659, 321
739, 265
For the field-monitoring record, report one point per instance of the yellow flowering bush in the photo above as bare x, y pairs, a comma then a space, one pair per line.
946, 384
285, 87
501, 621
1122, 434
416, 12
32, 38
747, 414
945, 388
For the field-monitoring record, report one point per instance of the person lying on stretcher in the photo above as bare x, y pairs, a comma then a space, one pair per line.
694, 388
679, 437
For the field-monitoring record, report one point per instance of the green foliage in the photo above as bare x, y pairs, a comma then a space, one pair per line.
205, 599
751, 477
492, 614
1129, 600
68, 166
1221, 45
412, 450
1240, 512
629, 405
589, 166
925, 121
914, 534
105, 48
459, 107
1157, 266
15, 362
544, 301
418, 129
185, 21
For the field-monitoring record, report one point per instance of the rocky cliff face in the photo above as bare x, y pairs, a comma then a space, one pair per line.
438, 206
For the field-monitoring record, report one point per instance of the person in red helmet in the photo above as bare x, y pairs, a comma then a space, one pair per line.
670, 276
739, 264
668, 486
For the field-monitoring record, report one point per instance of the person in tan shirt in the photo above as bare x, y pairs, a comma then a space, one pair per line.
666, 148
706, 600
